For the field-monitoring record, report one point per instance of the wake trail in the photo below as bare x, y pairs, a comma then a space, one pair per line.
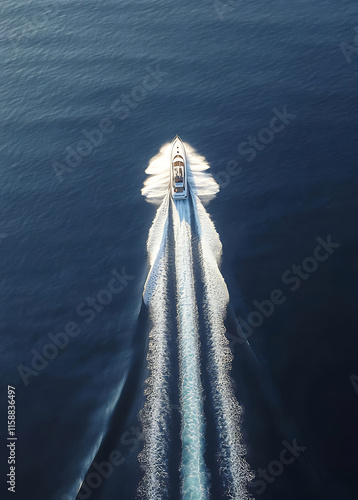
193, 469
234, 468
155, 415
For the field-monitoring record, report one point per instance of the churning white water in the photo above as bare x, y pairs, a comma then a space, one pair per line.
227, 410
184, 218
193, 470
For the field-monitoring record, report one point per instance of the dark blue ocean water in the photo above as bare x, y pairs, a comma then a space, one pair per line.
216, 73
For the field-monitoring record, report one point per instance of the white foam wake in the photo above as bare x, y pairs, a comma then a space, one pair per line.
200, 181
156, 412
156, 245
232, 464
193, 469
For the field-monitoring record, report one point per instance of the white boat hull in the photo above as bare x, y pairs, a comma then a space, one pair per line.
178, 170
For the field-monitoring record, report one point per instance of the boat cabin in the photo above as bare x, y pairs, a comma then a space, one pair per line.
178, 170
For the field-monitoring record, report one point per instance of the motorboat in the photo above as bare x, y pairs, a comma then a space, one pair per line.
178, 170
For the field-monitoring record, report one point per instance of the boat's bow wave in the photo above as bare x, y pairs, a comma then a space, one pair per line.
157, 185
